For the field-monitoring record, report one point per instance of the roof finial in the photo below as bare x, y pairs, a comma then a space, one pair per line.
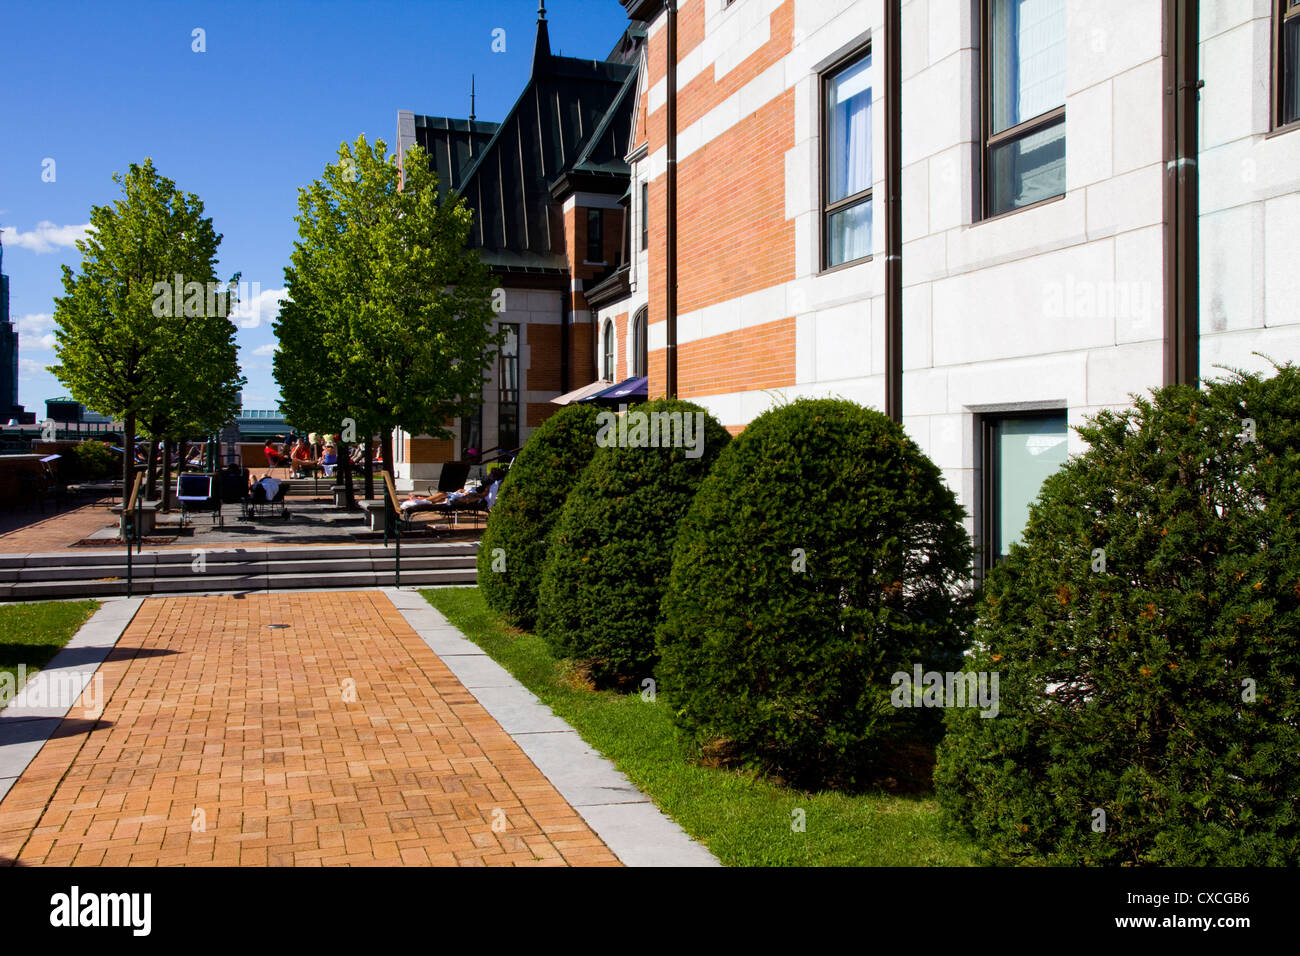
471, 97
541, 9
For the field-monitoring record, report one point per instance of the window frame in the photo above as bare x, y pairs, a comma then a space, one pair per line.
596, 215
987, 510
989, 140
639, 341
862, 197
508, 398
1282, 11
607, 349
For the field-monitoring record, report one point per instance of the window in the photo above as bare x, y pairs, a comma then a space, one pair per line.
1018, 451
471, 432
1024, 103
1286, 63
595, 235
639, 337
846, 162
645, 215
508, 389
607, 353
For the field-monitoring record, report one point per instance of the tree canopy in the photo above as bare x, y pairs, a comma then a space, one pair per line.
389, 318
142, 330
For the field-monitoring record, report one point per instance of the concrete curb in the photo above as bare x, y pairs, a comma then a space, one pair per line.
46, 699
637, 831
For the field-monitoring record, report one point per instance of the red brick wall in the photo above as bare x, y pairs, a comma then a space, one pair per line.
733, 237
741, 361
538, 412
620, 348
543, 370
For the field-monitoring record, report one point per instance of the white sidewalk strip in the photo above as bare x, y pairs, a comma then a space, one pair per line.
637, 831
36, 711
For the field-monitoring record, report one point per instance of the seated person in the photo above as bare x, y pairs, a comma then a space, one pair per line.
275, 458
301, 457
329, 460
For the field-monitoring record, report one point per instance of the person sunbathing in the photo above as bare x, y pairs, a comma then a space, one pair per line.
416, 502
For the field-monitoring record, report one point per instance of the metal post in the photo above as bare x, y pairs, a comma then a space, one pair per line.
126, 533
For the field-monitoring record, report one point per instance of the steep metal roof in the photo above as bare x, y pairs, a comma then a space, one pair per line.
453, 146
552, 125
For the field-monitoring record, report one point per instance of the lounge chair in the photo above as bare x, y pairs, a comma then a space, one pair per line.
260, 506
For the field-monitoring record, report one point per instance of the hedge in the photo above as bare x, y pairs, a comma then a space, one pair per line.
1147, 638
605, 574
823, 555
531, 497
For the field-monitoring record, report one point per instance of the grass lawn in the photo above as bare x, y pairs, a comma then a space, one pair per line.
31, 634
743, 819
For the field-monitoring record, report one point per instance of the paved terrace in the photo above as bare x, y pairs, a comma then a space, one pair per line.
308, 728
90, 525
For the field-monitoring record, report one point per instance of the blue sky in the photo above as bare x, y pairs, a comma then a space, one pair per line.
97, 86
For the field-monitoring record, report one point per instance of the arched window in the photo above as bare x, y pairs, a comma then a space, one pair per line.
639, 338
607, 366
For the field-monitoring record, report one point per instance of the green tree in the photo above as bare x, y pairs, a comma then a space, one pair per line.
390, 323
142, 328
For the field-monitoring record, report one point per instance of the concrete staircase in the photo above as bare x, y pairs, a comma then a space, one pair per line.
78, 574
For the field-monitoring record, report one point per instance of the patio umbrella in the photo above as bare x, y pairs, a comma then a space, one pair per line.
625, 392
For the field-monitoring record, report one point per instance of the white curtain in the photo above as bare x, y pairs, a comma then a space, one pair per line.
850, 152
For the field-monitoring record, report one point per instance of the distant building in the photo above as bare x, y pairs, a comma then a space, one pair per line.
9, 407
549, 189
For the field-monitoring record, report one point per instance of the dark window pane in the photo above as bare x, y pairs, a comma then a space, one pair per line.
595, 235
645, 215
607, 368
1027, 170
508, 390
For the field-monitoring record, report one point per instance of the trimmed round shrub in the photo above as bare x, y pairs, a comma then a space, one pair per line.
528, 504
605, 574
1147, 639
822, 555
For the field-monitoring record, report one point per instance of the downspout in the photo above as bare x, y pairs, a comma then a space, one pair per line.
1181, 193
893, 212
670, 220
564, 345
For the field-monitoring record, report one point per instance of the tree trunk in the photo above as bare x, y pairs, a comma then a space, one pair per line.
167, 475
151, 472
386, 443
370, 467
345, 467
128, 458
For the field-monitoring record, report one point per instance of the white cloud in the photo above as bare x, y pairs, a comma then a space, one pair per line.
259, 307
46, 237
270, 349
34, 323
29, 367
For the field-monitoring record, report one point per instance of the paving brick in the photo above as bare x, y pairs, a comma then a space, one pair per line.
205, 708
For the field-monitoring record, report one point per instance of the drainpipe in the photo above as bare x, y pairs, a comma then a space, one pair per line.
670, 220
893, 212
1181, 193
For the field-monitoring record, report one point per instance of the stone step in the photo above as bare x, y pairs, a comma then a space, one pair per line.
246, 565
46, 590
115, 556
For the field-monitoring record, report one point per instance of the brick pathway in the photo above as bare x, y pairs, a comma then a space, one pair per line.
24, 532
209, 713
